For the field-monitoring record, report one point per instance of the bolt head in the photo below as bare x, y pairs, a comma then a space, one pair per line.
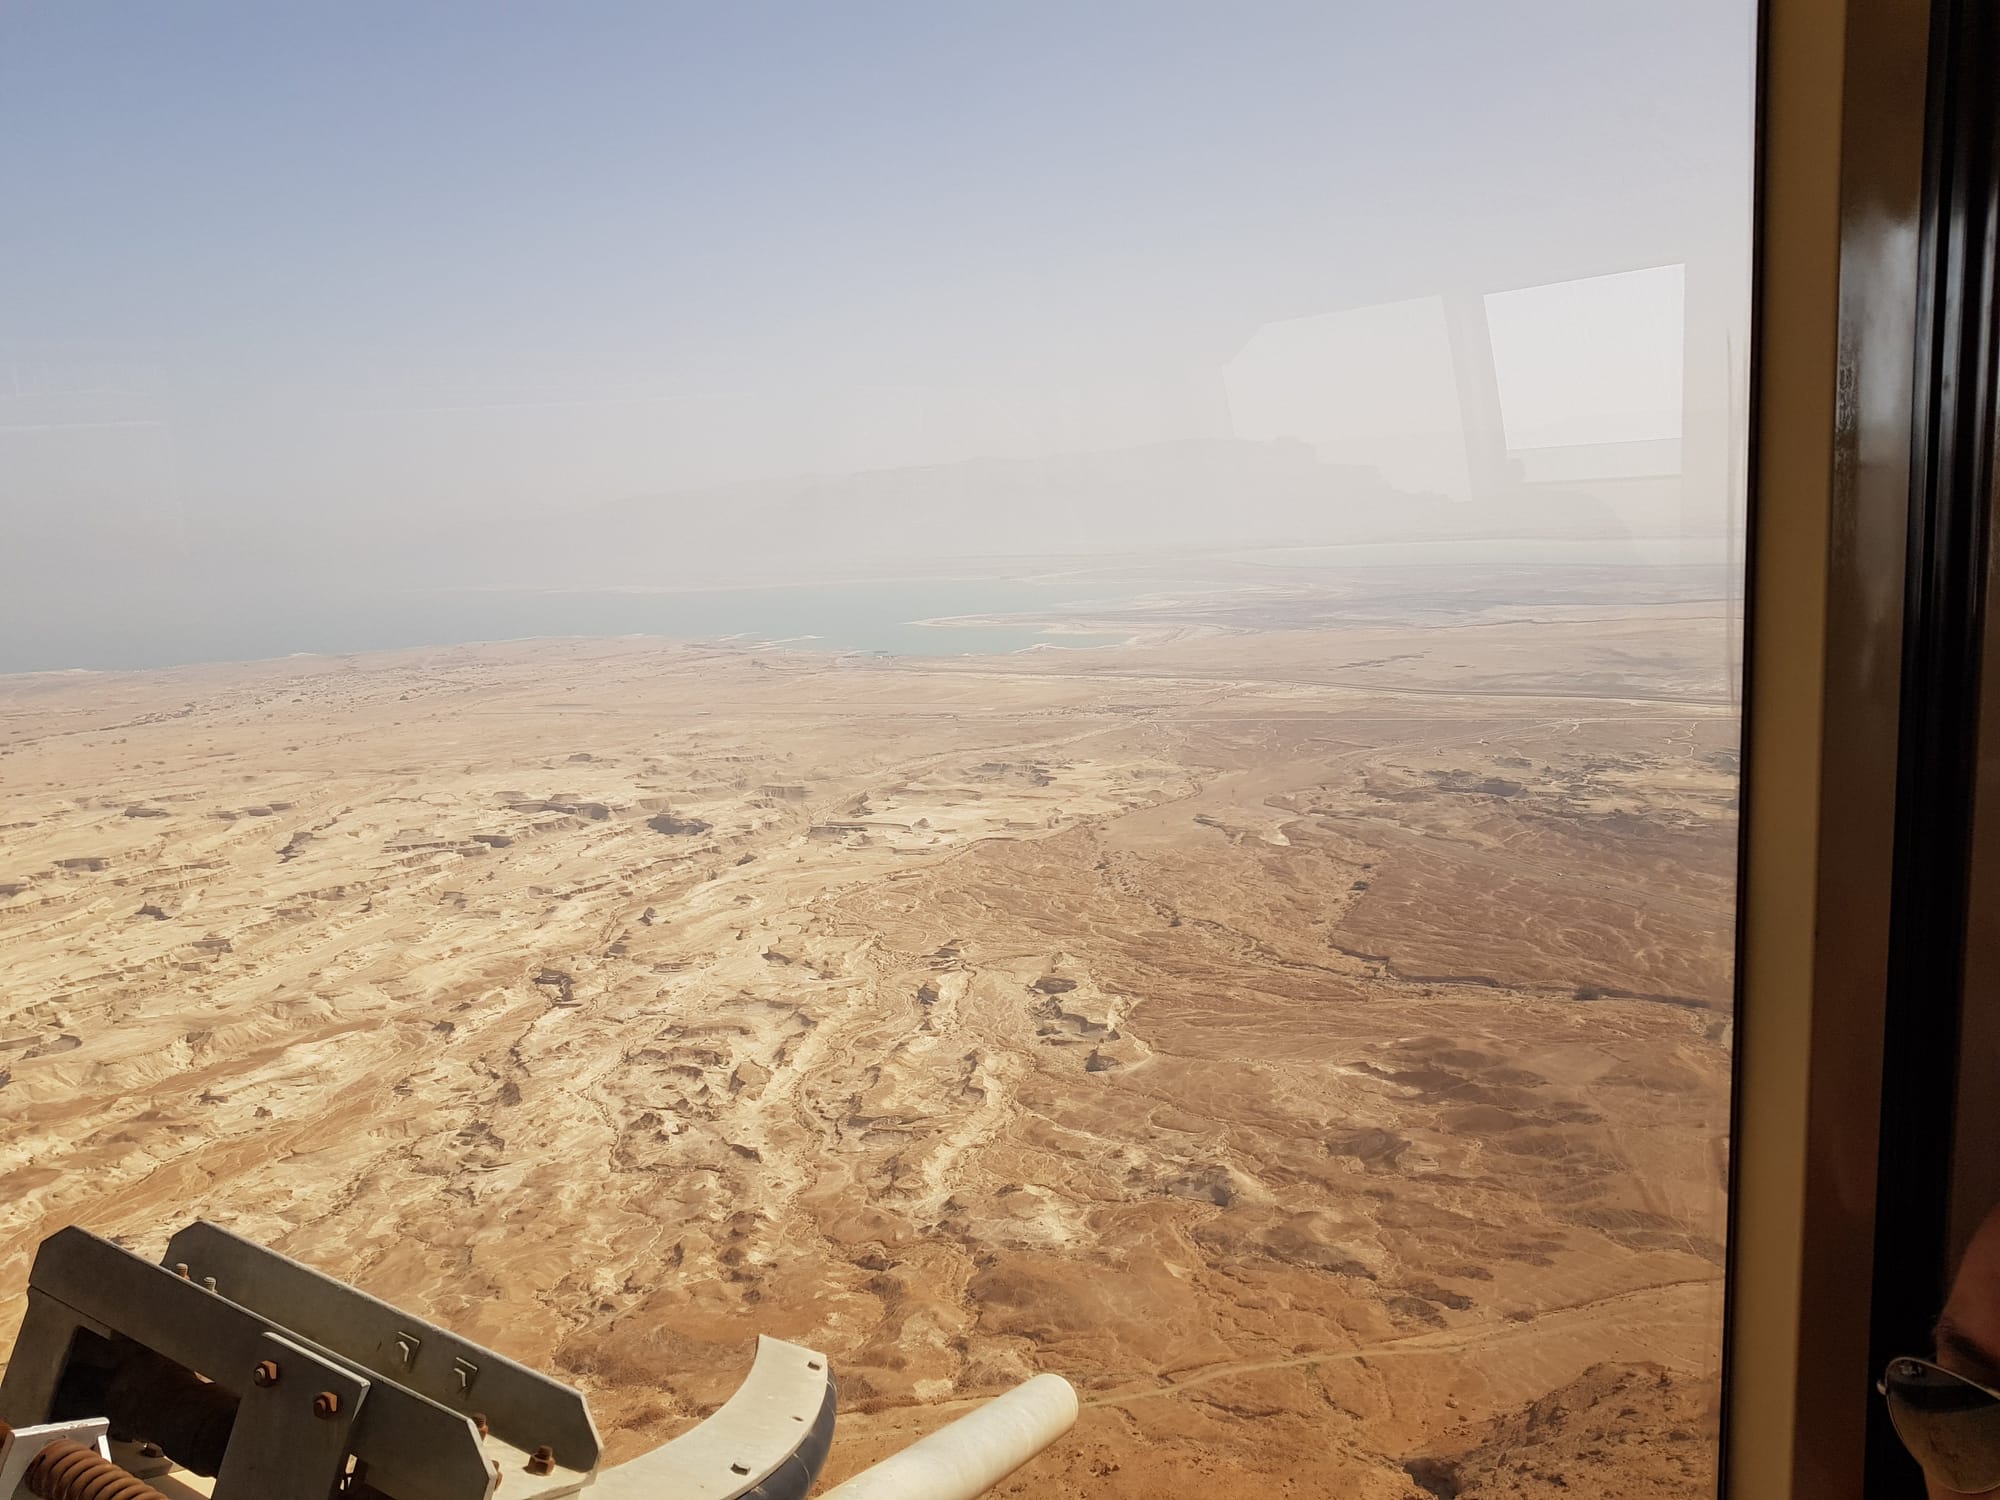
266, 1372
542, 1460
326, 1404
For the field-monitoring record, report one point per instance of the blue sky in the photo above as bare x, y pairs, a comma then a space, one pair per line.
280, 264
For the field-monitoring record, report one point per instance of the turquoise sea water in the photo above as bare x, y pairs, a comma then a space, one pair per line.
227, 623
877, 617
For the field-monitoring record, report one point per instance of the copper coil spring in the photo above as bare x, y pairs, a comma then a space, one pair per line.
70, 1471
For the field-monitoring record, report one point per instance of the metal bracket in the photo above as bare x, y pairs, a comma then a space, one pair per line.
23, 1445
417, 1446
41, 1349
290, 1440
523, 1407
322, 1374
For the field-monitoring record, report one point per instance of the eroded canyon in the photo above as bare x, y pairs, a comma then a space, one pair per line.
1313, 1041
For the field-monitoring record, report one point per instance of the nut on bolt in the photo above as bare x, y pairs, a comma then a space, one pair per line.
266, 1372
326, 1404
542, 1460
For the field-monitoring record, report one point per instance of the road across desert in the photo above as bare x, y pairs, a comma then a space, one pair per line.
1322, 1063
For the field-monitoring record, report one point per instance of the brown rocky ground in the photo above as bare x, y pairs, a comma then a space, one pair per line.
1314, 1043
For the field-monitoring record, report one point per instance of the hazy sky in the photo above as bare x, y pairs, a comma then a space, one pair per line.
319, 272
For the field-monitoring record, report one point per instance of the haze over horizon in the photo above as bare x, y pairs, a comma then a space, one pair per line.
286, 303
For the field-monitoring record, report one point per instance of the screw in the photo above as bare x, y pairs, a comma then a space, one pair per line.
266, 1372
326, 1404
542, 1460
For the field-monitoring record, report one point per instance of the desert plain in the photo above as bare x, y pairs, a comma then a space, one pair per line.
1304, 1025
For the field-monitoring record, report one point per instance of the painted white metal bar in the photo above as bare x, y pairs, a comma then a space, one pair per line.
971, 1455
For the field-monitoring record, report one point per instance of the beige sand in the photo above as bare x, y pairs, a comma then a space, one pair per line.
1312, 1043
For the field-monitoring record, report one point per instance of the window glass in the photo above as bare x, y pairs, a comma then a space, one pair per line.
1006, 688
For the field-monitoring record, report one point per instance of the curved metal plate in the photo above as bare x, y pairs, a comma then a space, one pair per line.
782, 1414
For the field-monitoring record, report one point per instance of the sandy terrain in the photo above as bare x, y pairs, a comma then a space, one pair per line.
1312, 1042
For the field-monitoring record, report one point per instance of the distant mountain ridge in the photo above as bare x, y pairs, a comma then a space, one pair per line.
1165, 496
1195, 495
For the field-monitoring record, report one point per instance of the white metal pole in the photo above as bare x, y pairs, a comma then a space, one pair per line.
974, 1453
